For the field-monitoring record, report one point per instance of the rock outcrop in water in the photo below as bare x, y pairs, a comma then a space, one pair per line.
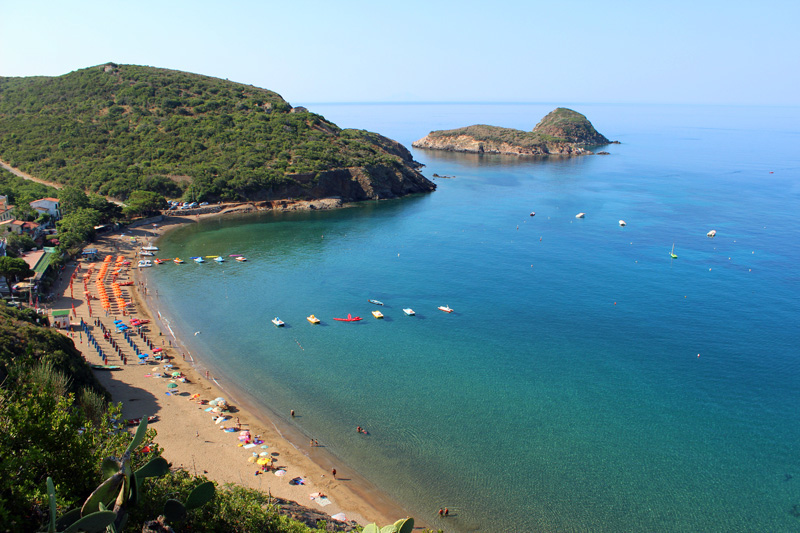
562, 132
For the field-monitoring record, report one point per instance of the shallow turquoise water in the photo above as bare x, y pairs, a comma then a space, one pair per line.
566, 392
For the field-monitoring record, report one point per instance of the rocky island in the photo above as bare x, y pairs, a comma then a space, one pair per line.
562, 132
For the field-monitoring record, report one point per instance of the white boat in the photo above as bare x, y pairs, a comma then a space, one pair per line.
445, 308
622, 223
219, 259
278, 322
145, 263
145, 252
150, 248
711, 233
199, 260
409, 311
580, 215
241, 258
377, 314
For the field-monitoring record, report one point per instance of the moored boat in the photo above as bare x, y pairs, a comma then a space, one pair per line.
150, 248
158, 261
377, 314
580, 215
145, 252
376, 302
241, 258
445, 308
177, 260
278, 322
711, 233
145, 263
350, 318
408, 311
198, 260
622, 223
219, 259
312, 319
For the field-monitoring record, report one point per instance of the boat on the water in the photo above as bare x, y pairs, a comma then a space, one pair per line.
278, 322
177, 261
145, 263
376, 302
199, 260
622, 223
350, 318
145, 252
105, 367
312, 319
580, 215
241, 258
408, 311
158, 261
533, 213
711, 233
219, 259
672, 253
150, 248
445, 308
377, 314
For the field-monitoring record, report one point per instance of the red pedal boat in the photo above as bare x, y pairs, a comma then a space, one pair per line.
350, 318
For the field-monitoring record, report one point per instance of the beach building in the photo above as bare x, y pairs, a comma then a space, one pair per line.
18, 227
60, 319
47, 205
6, 209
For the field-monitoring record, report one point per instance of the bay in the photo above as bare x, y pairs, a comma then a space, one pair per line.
586, 381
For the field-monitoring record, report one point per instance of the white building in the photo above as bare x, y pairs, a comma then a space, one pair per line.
48, 205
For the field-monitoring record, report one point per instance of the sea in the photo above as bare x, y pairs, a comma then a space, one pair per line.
586, 380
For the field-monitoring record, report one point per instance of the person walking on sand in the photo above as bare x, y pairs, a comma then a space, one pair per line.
333, 471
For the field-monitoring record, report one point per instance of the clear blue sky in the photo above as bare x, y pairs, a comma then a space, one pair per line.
725, 52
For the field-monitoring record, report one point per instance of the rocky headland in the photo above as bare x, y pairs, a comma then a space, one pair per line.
562, 132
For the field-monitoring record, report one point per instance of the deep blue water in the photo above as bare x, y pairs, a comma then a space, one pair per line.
586, 381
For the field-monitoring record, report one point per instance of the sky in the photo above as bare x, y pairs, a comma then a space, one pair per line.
682, 52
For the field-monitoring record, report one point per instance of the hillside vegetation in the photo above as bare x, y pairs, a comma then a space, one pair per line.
114, 129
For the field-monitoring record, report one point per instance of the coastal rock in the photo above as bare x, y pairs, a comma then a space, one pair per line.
563, 132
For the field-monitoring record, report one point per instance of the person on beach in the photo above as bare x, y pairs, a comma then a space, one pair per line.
441, 511
446, 511
333, 471
292, 413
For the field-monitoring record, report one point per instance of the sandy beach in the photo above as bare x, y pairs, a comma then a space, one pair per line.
186, 429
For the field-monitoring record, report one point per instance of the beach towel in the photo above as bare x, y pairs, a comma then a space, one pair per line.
297, 481
280, 473
246, 446
323, 501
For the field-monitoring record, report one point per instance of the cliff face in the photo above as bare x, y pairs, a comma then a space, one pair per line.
464, 142
562, 132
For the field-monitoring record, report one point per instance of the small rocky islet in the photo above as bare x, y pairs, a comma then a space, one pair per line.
562, 132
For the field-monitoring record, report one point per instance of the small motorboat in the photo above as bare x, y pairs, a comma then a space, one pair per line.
199, 260
408, 311
377, 314
158, 261
711, 233
622, 223
150, 248
219, 259
312, 319
278, 322
241, 258
350, 318
375, 302
533, 213
177, 261
145, 252
145, 263
580, 215
445, 308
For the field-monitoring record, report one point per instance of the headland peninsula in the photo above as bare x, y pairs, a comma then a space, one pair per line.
562, 132
114, 129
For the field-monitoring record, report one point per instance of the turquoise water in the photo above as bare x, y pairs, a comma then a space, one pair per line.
586, 381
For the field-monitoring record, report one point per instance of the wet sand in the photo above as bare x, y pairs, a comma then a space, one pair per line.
190, 437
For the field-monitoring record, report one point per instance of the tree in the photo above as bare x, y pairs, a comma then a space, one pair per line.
144, 203
16, 244
72, 199
77, 227
108, 210
14, 269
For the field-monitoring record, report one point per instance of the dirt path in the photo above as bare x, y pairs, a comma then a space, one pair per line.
23, 175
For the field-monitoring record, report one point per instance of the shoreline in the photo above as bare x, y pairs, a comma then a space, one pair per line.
185, 430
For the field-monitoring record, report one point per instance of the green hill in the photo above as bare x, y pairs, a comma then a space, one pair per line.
113, 129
